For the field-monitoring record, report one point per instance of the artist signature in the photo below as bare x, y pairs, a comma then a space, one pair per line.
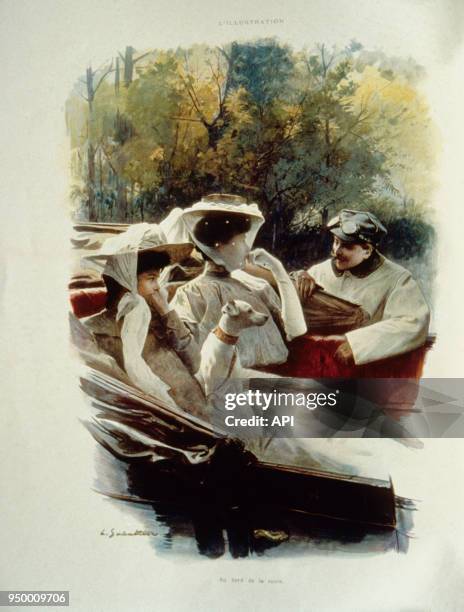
112, 533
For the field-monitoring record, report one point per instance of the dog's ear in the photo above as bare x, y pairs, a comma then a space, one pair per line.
230, 308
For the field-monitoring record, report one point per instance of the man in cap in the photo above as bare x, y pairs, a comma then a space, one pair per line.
357, 272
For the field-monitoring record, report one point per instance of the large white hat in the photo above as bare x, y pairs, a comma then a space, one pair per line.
179, 225
117, 257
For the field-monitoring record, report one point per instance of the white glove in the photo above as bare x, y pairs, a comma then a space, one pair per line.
292, 312
260, 257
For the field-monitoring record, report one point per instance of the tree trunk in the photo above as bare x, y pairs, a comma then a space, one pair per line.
90, 90
274, 235
131, 203
121, 201
128, 66
327, 142
324, 216
91, 185
116, 77
215, 131
100, 181
91, 182
90, 148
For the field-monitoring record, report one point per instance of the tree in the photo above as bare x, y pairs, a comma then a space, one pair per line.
302, 133
92, 87
129, 62
404, 135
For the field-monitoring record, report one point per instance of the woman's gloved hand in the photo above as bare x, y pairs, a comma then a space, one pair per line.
291, 313
260, 257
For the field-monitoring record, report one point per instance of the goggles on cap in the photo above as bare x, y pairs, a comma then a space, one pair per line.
348, 227
351, 226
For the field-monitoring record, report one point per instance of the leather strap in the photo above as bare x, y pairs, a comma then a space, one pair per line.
226, 338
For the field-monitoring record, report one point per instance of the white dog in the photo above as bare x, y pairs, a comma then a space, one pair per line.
219, 357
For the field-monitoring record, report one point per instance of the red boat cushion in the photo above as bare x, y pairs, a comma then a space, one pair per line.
309, 356
313, 357
87, 302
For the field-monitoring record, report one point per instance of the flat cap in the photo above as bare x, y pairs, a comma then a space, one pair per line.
357, 226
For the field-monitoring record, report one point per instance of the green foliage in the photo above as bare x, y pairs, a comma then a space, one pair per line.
263, 69
408, 238
304, 134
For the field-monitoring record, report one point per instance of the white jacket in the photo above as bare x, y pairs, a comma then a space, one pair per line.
399, 313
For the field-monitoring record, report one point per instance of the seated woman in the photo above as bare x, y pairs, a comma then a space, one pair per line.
138, 327
223, 227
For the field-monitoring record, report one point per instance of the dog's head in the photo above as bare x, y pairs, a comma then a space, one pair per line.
243, 314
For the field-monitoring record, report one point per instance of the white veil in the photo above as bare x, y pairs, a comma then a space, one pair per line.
179, 226
180, 223
118, 258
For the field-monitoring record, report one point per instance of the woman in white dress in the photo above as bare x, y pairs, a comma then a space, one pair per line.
223, 227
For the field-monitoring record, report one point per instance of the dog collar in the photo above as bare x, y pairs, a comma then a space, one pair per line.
226, 338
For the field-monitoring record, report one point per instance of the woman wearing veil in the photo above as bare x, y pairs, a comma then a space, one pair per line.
224, 227
138, 328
